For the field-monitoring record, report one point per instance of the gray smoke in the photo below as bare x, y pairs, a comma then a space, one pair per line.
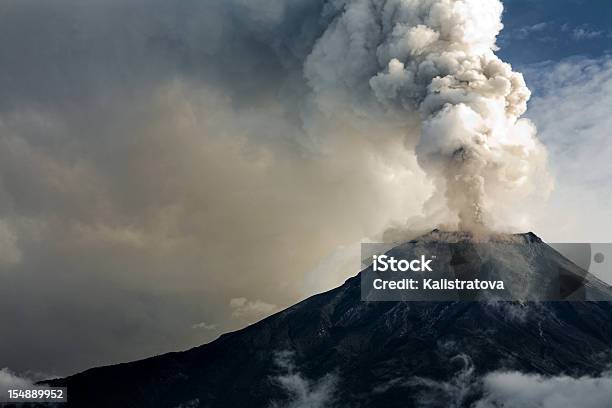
161, 158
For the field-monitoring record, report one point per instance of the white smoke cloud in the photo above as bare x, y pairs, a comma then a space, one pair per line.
431, 63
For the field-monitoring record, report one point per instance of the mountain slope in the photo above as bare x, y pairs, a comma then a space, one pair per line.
335, 348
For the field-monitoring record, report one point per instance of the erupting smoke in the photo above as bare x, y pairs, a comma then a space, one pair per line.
156, 147
434, 59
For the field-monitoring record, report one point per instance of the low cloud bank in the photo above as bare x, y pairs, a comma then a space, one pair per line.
506, 389
518, 390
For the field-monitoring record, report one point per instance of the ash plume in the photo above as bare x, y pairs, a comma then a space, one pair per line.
433, 68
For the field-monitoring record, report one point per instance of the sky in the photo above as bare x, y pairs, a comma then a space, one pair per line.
165, 176
564, 50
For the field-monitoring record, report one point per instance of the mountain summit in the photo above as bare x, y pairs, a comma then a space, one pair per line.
333, 349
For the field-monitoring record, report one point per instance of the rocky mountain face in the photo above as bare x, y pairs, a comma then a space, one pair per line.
334, 349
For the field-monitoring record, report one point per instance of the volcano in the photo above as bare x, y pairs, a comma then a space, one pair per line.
334, 349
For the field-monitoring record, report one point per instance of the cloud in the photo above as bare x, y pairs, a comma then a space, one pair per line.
302, 392
204, 325
461, 387
582, 32
525, 32
549, 31
508, 389
570, 108
251, 309
518, 390
10, 380
585, 33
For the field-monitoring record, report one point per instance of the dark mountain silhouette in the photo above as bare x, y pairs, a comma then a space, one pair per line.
333, 349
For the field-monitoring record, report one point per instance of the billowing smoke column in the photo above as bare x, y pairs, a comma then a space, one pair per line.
434, 59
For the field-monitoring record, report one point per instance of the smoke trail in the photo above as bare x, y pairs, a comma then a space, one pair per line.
433, 62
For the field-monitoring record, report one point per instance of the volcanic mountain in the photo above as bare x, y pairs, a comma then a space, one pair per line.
334, 349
